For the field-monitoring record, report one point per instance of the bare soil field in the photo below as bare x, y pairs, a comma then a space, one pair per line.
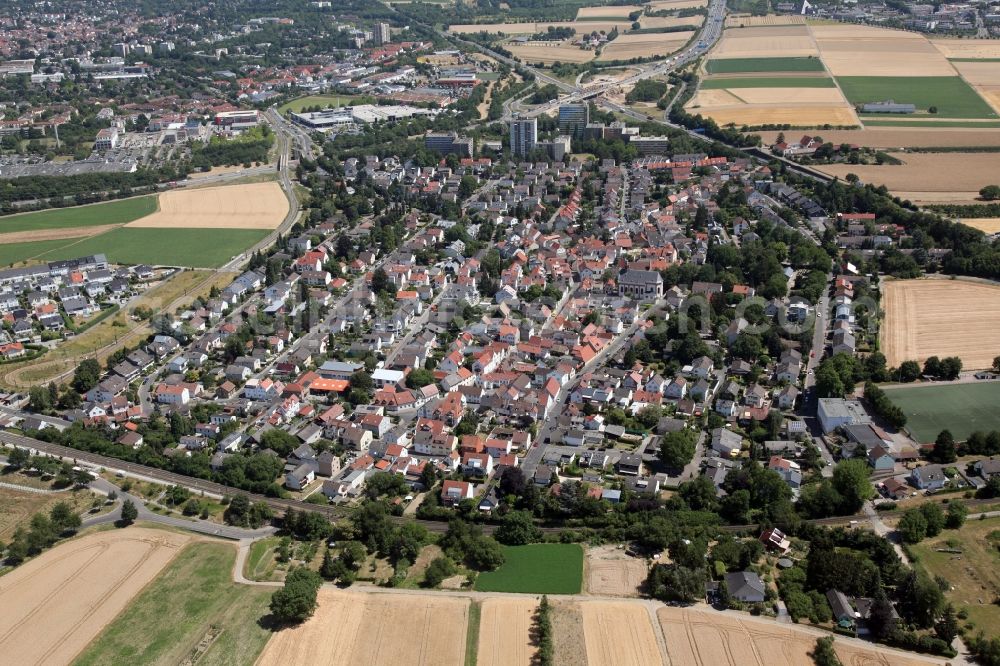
989, 225
607, 11
55, 604
55, 234
765, 41
746, 21
253, 206
707, 638
550, 54
934, 317
530, 28
627, 46
955, 176
967, 48
904, 137
216, 171
371, 628
991, 94
619, 634
803, 116
505, 632
569, 647
707, 99
855, 50
610, 572
803, 96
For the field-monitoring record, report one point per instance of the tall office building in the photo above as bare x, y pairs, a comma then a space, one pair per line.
382, 35
523, 135
573, 118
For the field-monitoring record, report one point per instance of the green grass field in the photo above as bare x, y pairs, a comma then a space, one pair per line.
193, 595
960, 408
15, 253
740, 65
952, 96
111, 212
324, 101
770, 82
916, 123
195, 248
541, 568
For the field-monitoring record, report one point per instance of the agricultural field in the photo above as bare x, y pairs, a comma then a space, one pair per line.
674, 5
769, 82
612, 573
989, 225
865, 51
657, 22
973, 49
619, 634
55, 604
787, 41
747, 21
628, 46
257, 206
176, 228
614, 11
17, 507
747, 65
100, 214
193, 600
960, 408
351, 628
531, 27
547, 55
505, 627
952, 96
973, 572
931, 317
927, 177
888, 137
707, 638
543, 568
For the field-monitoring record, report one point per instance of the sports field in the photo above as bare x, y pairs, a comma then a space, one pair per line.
960, 408
769, 82
325, 101
952, 96
112, 212
541, 568
740, 65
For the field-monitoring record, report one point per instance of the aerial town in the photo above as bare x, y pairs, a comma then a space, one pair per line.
500, 333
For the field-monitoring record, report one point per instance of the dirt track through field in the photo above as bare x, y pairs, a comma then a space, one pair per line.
55, 234
55, 604
933, 317
252, 206
505, 632
357, 628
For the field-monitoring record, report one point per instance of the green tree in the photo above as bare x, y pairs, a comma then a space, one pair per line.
909, 371
296, 601
990, 192
439, 569
518, 528
944, 448
823, 654
86, 376
850, 479
947, 627
64, 518
956, 515
18, 458
912, 526
129, 512
934, 517
419, 378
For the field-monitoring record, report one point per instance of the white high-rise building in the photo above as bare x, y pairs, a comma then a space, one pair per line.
523, 135
382, 34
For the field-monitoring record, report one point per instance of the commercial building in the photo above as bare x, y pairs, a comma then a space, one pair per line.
574, 118
523, 135
651, 145
382, 34
237, 119
557, 148
107, 139
346, 117
449, 142
836, 412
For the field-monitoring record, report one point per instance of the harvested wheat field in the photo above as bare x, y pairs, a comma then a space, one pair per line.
747, 21
935, 317
967, 48
530, 28
669, 21
989, 225
766, 41
950, 176
626, 47
991, 94
253, 206
609, 572
55, 604
803, 96
505, 632
985, 73
619, 634
904, 137
352, 628
613, 11
797, 116
707, 638
674, 5
551, 54
857, 50
569, 646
